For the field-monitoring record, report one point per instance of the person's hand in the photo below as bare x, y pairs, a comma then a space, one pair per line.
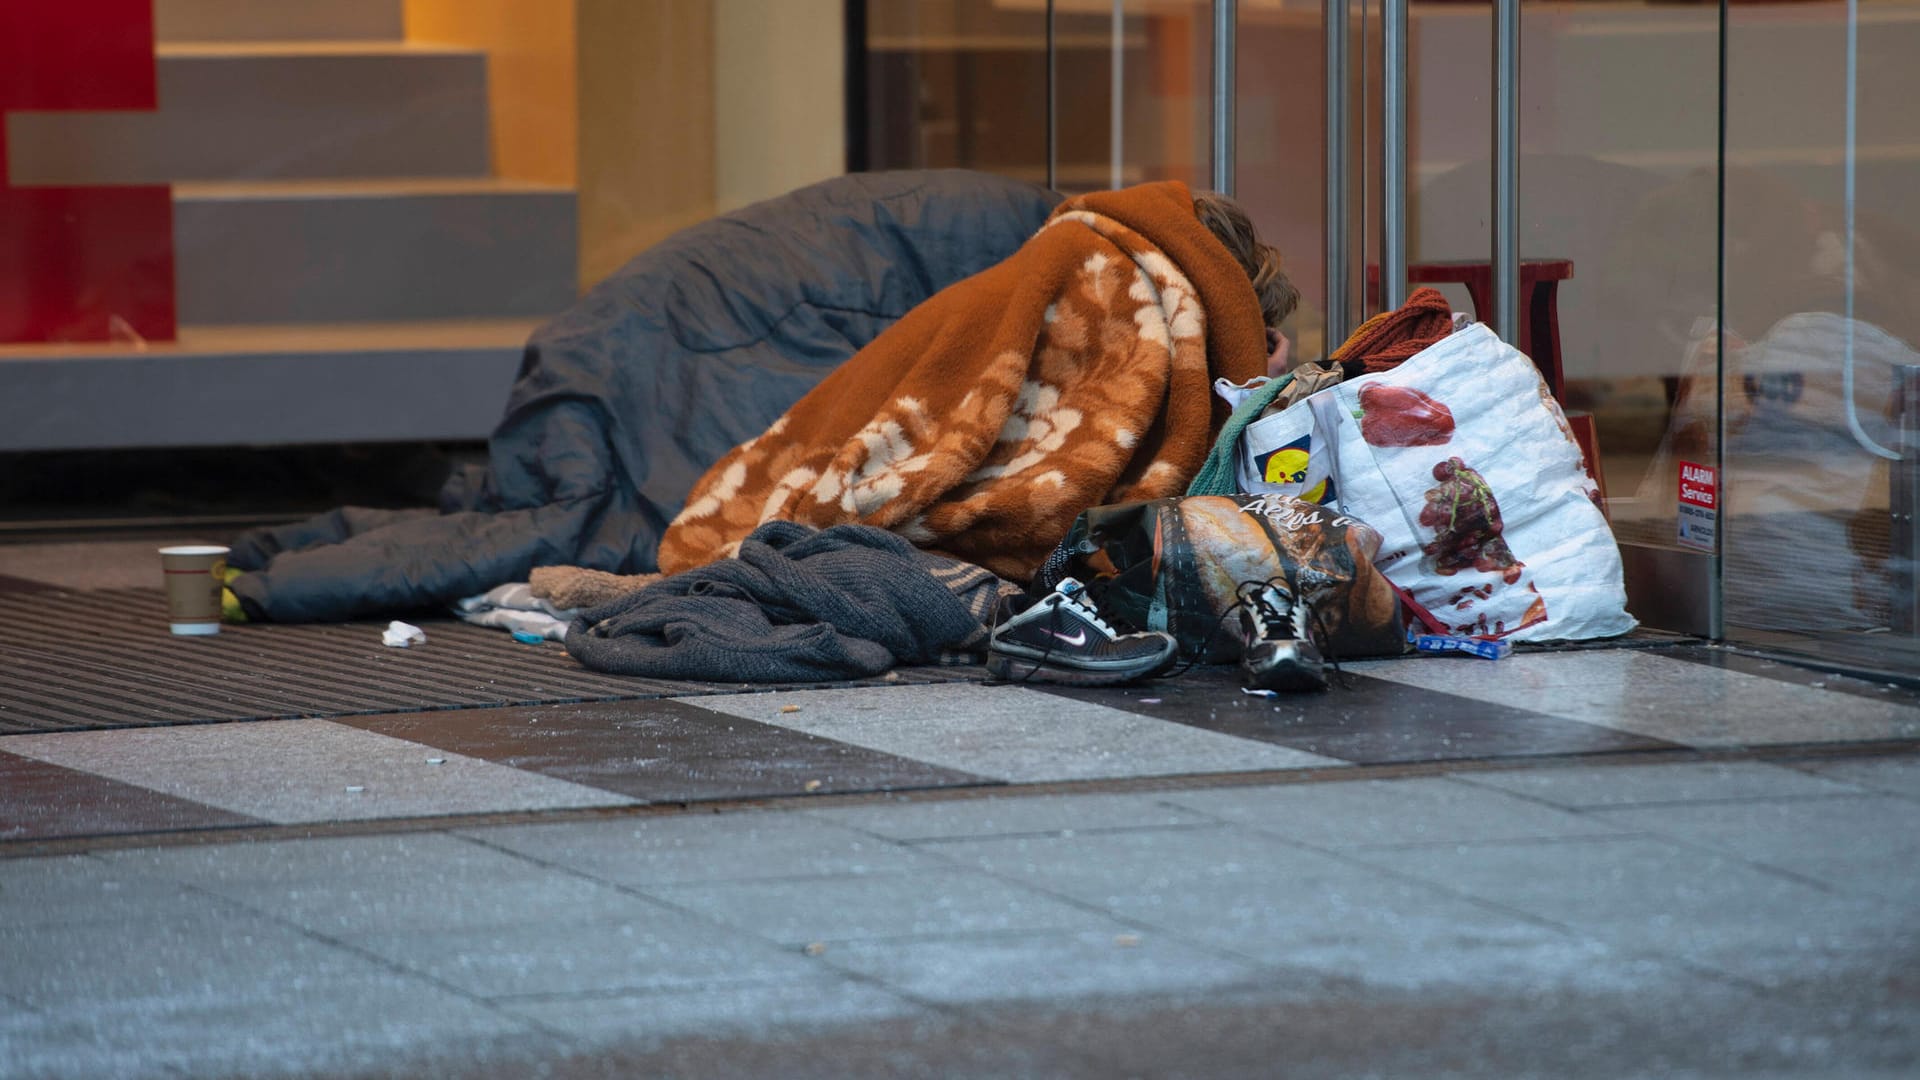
1278, 359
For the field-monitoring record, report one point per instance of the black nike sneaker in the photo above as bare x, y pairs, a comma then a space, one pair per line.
1060, 638
1279, 653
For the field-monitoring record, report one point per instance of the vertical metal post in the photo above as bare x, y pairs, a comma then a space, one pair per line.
1339, 291
857, 98
1393, 157
1053, 97
1506, 170
1904, 558
1223, 43
1116, 119
1716, 563
1361, 239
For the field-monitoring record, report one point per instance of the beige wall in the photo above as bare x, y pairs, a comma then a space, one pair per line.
661, 113
694, 107
530, 76
647, 118
779, 97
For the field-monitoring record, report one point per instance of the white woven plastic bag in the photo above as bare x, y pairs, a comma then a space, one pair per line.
1463, 461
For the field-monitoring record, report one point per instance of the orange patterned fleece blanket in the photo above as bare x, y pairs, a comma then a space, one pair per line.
1075, 373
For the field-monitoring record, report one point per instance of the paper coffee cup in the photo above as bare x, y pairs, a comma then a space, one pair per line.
195, 574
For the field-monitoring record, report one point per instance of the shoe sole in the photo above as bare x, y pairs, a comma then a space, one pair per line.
1289, 679
1020, 669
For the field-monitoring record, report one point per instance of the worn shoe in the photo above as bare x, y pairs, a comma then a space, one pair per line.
1061, 638
1279, 653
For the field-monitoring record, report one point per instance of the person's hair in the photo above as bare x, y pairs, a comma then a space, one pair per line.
1228, 221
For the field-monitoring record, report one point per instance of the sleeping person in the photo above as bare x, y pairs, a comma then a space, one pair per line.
1076, 372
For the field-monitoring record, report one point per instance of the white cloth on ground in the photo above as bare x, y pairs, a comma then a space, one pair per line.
513, 607
399, 635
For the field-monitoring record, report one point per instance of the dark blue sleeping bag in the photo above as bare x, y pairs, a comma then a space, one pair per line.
623, 401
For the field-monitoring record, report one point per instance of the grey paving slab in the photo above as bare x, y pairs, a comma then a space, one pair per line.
39, 1046
353, 885
322, 859
1261, 898
1010, 732
40, 801
1651, 896
801, 912
207, 953
1422, 810
819, 999
1362, 720
933, 1044
223, 993
1689, 1025
57, 890
1780, 671
997, 815
662, 751
987, 968
647, 851
661, 950
306, 770
1585, 786
374, 1023
1681, 702
1532, 673
1893, 775
1868, 845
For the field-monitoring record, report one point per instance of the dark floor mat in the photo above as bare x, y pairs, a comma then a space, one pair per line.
104, 659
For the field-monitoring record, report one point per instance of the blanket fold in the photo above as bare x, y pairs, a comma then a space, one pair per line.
581, 587
623, 400
796, 605
1074, 373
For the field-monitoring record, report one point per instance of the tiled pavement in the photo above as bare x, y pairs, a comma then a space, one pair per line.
1673, 701
1731, 918
1661, 862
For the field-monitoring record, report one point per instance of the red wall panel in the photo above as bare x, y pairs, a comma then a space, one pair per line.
72, 259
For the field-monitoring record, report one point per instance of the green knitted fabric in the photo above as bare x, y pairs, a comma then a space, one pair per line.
1216, 476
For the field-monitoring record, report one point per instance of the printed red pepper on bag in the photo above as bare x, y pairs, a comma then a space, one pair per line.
1403, 416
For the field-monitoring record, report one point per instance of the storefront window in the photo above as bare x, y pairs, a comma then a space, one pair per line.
228, 224
1822, 265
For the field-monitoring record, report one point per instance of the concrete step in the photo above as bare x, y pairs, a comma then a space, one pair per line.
321, 251
251, 385
274, 110
278, 20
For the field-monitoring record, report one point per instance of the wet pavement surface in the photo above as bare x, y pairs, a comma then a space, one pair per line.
1661, 861
1710, 918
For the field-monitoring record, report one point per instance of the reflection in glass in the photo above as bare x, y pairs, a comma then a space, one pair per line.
1822, 275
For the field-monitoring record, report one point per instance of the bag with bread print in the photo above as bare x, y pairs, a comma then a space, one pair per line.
1463, 461
1177, 565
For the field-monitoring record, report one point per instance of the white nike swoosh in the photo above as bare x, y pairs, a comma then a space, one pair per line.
1078, 639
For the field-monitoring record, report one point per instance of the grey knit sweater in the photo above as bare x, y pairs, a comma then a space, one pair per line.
796, 605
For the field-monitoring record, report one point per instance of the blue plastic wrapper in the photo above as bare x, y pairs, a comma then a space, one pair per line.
1485, 648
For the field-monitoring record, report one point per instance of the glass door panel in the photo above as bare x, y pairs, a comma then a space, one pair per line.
1618, 141
1280, 163
1822, 264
